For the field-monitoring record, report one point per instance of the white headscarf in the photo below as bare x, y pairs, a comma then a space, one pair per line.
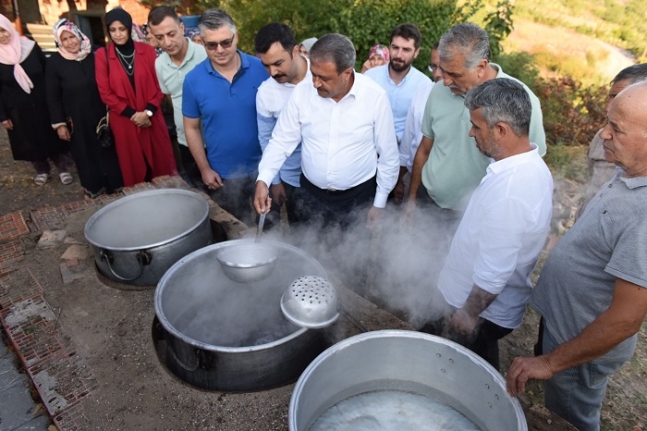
67, 25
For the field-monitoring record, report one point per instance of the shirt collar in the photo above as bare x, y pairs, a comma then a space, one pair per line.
631, 183
244, 64
512, 161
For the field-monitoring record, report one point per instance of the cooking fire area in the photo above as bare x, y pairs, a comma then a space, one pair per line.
104, 355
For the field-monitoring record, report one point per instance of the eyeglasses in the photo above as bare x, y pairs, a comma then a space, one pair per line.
433, 67
212, 46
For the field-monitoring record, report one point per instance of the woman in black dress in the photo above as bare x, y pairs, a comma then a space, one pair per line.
23, 106
75, 108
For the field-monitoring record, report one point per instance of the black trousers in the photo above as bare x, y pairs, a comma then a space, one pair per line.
485, 343
342, 207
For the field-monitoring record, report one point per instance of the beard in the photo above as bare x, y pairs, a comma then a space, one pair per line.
399, 67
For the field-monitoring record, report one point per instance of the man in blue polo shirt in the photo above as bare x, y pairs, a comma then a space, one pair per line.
219, 110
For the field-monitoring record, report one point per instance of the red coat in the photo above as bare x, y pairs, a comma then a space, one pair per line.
135, 146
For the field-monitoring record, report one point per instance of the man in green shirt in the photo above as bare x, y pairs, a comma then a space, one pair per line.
180, 56
447, 162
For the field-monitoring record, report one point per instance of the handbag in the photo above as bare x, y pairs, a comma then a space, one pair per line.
104, 134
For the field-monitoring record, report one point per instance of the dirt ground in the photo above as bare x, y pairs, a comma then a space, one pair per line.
108, 334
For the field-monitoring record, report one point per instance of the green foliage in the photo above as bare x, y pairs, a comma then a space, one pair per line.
572, 113
499, 25
618, 23
521, 65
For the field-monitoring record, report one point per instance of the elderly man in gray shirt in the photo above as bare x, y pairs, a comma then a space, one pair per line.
592, 292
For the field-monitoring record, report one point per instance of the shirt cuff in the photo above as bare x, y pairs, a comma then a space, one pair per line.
57, 125
128, 112
263, 176
380, 199
151, 108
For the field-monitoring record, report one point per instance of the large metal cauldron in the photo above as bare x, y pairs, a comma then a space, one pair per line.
230, 336
402, 362
137, 238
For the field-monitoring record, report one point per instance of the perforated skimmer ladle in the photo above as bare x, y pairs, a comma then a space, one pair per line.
310, 302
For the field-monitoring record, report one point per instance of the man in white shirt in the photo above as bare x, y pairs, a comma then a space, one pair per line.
485, 278
277, 49
401, 81
349, 150
180, 56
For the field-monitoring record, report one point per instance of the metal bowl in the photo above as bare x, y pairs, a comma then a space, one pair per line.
310, 302
393, 362
247, 262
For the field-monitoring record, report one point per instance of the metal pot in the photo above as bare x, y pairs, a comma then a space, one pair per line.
227, 336
138, 237
404, 362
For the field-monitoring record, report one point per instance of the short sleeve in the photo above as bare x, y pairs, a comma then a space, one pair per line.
190, 107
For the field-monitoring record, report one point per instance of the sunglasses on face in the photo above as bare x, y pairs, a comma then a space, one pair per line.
212, 46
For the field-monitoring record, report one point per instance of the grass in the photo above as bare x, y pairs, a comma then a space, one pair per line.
568, 161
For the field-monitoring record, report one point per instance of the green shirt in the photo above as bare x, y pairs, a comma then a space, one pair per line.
171, 77
455, 166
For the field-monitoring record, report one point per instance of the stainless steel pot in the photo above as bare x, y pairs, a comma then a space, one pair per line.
225, 336
137, 238
404, 361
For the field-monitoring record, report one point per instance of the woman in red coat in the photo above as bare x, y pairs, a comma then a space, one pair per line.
125, 72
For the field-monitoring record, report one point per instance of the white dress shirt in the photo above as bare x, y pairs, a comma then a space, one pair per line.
344, 143
413, 127
271, 98
500, 237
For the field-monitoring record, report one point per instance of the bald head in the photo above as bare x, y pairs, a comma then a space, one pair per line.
625, 135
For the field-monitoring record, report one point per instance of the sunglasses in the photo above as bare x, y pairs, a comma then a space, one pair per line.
432, 67
212, 46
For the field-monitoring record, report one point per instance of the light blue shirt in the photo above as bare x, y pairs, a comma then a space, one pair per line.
270, 100
400, 95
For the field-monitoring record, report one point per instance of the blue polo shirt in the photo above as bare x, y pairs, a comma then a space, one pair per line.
228, 115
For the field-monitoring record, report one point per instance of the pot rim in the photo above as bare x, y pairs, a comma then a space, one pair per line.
211, 347
396, 333
125, 200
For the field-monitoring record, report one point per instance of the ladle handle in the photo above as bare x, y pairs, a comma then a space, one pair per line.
259, 230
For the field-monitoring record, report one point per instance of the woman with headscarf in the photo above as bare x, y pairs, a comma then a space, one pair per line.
76, 108
125, 73
377, 56
23, 106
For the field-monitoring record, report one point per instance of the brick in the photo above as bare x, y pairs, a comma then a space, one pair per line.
141, 187
12, 226
11, 253
17, 286
62, 381
171, 182
48, 218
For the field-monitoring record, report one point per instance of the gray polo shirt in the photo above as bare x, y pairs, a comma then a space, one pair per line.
171, 78
609, 241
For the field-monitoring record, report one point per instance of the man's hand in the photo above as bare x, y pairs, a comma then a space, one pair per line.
409, 211
211, 179
278, 193
462, 324
63, 133
262, 201
374, 216
524, 369
7, 124
398, 191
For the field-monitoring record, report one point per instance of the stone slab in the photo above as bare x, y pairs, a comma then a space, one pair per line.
51, 238
75, 251
38, 423
17, 407
72, 270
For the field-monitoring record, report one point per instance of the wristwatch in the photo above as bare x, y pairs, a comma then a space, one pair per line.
149, 113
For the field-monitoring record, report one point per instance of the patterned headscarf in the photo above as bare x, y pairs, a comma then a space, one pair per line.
381, 50
15, 52
67, 25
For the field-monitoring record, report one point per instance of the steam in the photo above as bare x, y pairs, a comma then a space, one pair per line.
395, 266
